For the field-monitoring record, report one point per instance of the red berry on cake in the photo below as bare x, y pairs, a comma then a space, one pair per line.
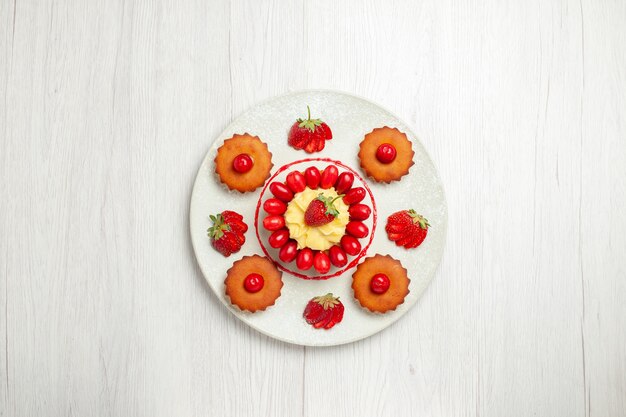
304, 260
274, 206
273, 222
359, 212
312, 175
380, 283
309, 134
357, 229
329, 177
253, 283
227, 232
350, 245
321, 211
338, 256
386, 153
355, 195
296, 181
242, 163
321, 262
281, 191
407, 228
279, 238
289, 251
344, 182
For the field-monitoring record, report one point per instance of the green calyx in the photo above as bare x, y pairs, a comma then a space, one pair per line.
418, 218
329, 203
327, 301
216, 231
309, 123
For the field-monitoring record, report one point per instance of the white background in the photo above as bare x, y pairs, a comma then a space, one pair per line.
107, 109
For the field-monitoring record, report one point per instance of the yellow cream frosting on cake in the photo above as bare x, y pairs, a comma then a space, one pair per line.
315, 237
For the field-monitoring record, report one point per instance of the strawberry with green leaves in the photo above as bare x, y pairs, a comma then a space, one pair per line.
227, 232
324, 311
321, 210
309, 134
407, 228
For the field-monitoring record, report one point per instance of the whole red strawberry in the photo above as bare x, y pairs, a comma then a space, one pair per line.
407, 228
324, 311
321, 210
309, 134
227, 232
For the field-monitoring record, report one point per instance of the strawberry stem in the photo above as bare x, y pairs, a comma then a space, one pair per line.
328, 203
327, 301
309, 123
418, 218
216, 231
336, 198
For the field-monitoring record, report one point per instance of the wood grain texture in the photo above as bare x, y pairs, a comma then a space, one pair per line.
106, 110
5, 47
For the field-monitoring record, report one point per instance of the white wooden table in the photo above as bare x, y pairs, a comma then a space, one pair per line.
107, 109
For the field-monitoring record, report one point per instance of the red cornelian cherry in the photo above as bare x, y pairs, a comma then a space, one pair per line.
386, 153
253, 283
289, 251
242, 163
379, 284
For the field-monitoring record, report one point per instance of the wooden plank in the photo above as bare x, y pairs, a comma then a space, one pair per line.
6, 50
602, 223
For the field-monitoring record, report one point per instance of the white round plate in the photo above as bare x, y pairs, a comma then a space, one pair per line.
350, 118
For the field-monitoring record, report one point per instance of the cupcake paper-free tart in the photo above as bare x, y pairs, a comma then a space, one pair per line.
253, 283
386, 154
243, 163
380, 283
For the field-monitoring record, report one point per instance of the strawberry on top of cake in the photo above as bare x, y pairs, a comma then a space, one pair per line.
317, 218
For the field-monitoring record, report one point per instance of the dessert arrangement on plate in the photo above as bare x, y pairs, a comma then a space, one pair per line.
315, 219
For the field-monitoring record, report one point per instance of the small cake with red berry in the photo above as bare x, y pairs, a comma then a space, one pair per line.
386, 154
316, 218
243, 163
253, 283
380, 283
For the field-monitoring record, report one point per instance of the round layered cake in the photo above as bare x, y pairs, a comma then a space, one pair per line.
315, 218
